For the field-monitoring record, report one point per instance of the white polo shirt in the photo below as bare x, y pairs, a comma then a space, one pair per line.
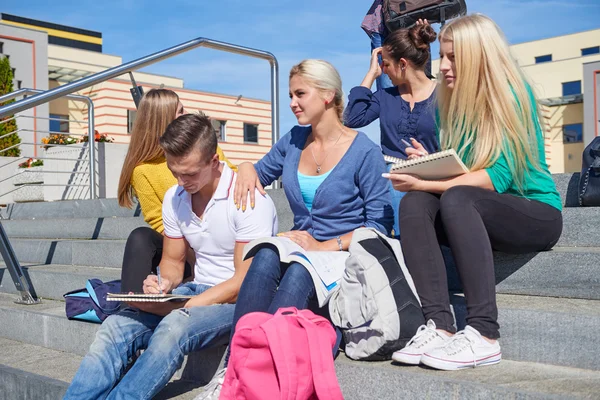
213, 236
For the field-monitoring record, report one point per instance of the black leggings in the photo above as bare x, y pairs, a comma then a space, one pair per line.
472, 222
143, 252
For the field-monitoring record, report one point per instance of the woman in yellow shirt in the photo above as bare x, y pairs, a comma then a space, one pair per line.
145, 175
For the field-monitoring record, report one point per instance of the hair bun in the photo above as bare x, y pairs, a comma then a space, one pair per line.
422, 35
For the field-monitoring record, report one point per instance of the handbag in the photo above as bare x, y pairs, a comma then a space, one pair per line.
589, 181
89, 304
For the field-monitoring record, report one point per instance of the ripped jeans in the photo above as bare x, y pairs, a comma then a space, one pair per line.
165, 339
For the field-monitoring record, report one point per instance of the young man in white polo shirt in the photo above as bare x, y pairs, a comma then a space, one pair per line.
198, 212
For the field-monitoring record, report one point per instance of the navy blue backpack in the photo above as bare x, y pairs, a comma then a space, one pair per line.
89, 303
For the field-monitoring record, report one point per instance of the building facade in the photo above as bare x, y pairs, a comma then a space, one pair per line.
46, 55
568, 90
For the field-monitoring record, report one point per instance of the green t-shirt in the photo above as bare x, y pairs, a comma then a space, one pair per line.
537, 184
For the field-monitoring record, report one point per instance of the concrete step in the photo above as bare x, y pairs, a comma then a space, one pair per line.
580, 226
534, 329
507, 380
100, 253
33, 372
563, 272
52, 281
73, 228
98, 208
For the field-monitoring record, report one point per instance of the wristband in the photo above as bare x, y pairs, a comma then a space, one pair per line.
339, 242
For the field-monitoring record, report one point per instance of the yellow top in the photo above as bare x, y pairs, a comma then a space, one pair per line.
150, 181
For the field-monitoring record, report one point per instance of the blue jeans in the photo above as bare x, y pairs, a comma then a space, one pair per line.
396, 197
383, 81
270, 285
165, 339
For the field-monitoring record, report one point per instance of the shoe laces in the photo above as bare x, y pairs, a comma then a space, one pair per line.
458, 343
423, 336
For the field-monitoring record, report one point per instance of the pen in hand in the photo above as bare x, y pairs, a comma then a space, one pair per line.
407, 144
158, 276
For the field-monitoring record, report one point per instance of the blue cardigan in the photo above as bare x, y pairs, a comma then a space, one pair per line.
353, 195
396, 120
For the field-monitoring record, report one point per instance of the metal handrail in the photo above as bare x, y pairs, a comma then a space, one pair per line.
37, 93
131, 66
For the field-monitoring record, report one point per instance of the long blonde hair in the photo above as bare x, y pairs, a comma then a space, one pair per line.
155, 112
491, 110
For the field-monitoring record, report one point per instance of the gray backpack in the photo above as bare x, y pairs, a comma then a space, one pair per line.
376, 306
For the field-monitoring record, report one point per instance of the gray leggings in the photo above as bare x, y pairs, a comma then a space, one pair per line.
472, 222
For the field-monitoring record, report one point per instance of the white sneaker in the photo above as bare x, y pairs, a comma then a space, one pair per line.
427, 338
466, 349
213, 389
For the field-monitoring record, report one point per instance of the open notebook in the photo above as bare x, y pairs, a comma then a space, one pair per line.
153, 298
441, 165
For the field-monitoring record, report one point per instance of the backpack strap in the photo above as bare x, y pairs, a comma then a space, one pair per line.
280, 344
321, 360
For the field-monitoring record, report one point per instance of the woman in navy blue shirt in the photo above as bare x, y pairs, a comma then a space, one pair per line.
406, 110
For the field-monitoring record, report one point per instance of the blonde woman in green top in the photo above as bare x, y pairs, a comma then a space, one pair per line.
507, 202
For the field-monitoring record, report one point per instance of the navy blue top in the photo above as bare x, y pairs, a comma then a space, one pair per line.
353, 195
396, 120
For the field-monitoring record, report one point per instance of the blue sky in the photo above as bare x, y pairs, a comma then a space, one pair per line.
291, 29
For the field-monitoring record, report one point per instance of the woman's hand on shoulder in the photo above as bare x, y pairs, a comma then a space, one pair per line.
247, 181
417, 150
303, 239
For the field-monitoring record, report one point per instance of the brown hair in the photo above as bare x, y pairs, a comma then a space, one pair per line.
188, 132
411, 44
156, 110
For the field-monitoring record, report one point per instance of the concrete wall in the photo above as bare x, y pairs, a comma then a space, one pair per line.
28, 50
591, 101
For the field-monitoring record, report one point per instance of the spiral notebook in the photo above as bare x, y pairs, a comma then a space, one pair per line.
143, 297
441, 165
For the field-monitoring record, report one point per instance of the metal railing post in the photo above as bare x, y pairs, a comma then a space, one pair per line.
26, 291
92, 144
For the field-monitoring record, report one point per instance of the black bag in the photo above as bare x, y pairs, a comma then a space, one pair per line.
589, 181
399, 14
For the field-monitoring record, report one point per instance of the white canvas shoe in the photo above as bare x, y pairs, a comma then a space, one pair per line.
427, 338
466, 349
213, 389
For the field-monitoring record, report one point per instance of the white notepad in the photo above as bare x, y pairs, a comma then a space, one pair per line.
441, 165
143, 297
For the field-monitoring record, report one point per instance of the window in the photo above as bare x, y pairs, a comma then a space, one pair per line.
219, 127
19, 84
573, 133
250, 133
541, 59
590, 50
130, 119
1, 47
59, 123
570, 88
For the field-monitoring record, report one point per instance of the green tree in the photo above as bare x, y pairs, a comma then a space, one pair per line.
6, 86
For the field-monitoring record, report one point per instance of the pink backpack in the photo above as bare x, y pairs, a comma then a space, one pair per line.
284, 356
